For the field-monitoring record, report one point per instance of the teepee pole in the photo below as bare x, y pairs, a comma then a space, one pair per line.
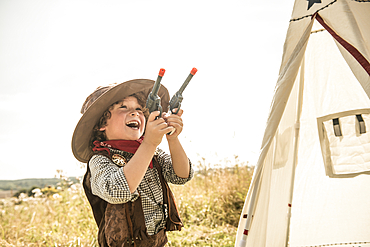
295, 154
243, 240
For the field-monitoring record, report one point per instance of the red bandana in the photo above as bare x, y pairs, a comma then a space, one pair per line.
123, 145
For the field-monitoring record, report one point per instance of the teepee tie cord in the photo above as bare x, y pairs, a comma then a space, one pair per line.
312, 15
350, 48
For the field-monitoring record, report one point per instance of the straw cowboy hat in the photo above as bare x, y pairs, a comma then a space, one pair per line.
99, 101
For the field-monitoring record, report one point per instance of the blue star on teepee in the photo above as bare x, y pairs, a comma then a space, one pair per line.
312, 2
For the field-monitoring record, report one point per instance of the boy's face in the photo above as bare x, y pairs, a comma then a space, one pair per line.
127, 121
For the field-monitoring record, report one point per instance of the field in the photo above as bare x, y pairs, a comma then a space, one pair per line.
5, 194
210, 206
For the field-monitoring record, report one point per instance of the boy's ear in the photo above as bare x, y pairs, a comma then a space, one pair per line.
102, 129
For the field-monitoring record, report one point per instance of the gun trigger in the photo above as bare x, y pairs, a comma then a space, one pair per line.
178, 108
160, 112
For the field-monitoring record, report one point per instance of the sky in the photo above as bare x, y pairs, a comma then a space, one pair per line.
53, 54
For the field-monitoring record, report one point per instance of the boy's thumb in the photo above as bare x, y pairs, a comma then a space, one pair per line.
153, 116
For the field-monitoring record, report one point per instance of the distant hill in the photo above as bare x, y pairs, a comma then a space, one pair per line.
28, 183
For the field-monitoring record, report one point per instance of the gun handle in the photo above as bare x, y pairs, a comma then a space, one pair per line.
173, 131
160, 112
178, 109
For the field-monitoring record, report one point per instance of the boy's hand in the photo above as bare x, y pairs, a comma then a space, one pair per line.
155, 129
174, 120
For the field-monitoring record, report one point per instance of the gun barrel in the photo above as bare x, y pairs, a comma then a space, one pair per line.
157, 83
186, 82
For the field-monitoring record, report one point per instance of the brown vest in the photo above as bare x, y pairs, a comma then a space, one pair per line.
124, 224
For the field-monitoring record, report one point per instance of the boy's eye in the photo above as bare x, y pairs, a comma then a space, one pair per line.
125, 107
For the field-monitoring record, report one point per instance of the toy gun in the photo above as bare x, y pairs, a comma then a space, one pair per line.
177, 98
153, 103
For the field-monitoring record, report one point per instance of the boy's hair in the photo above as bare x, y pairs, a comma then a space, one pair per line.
100, 135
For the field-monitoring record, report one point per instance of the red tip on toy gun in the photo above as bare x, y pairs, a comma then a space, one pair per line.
193, 71
161, 72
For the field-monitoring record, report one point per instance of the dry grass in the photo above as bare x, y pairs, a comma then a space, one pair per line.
210, 206
63, 220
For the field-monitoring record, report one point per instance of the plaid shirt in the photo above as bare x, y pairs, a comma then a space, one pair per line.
108, 182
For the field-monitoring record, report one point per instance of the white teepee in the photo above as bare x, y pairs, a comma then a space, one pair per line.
311, 185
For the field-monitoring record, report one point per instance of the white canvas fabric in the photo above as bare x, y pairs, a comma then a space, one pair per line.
311, 187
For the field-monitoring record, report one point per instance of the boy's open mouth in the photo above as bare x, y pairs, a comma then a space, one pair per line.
133, 124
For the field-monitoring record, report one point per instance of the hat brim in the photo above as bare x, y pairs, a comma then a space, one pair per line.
82, 133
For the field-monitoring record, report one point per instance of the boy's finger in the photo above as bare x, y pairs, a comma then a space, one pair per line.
153, 116
176, 124
174, 119
179, 113
173, 116
162, 125
165, 115
169, 129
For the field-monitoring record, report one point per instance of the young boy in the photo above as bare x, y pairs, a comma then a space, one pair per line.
127, 175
